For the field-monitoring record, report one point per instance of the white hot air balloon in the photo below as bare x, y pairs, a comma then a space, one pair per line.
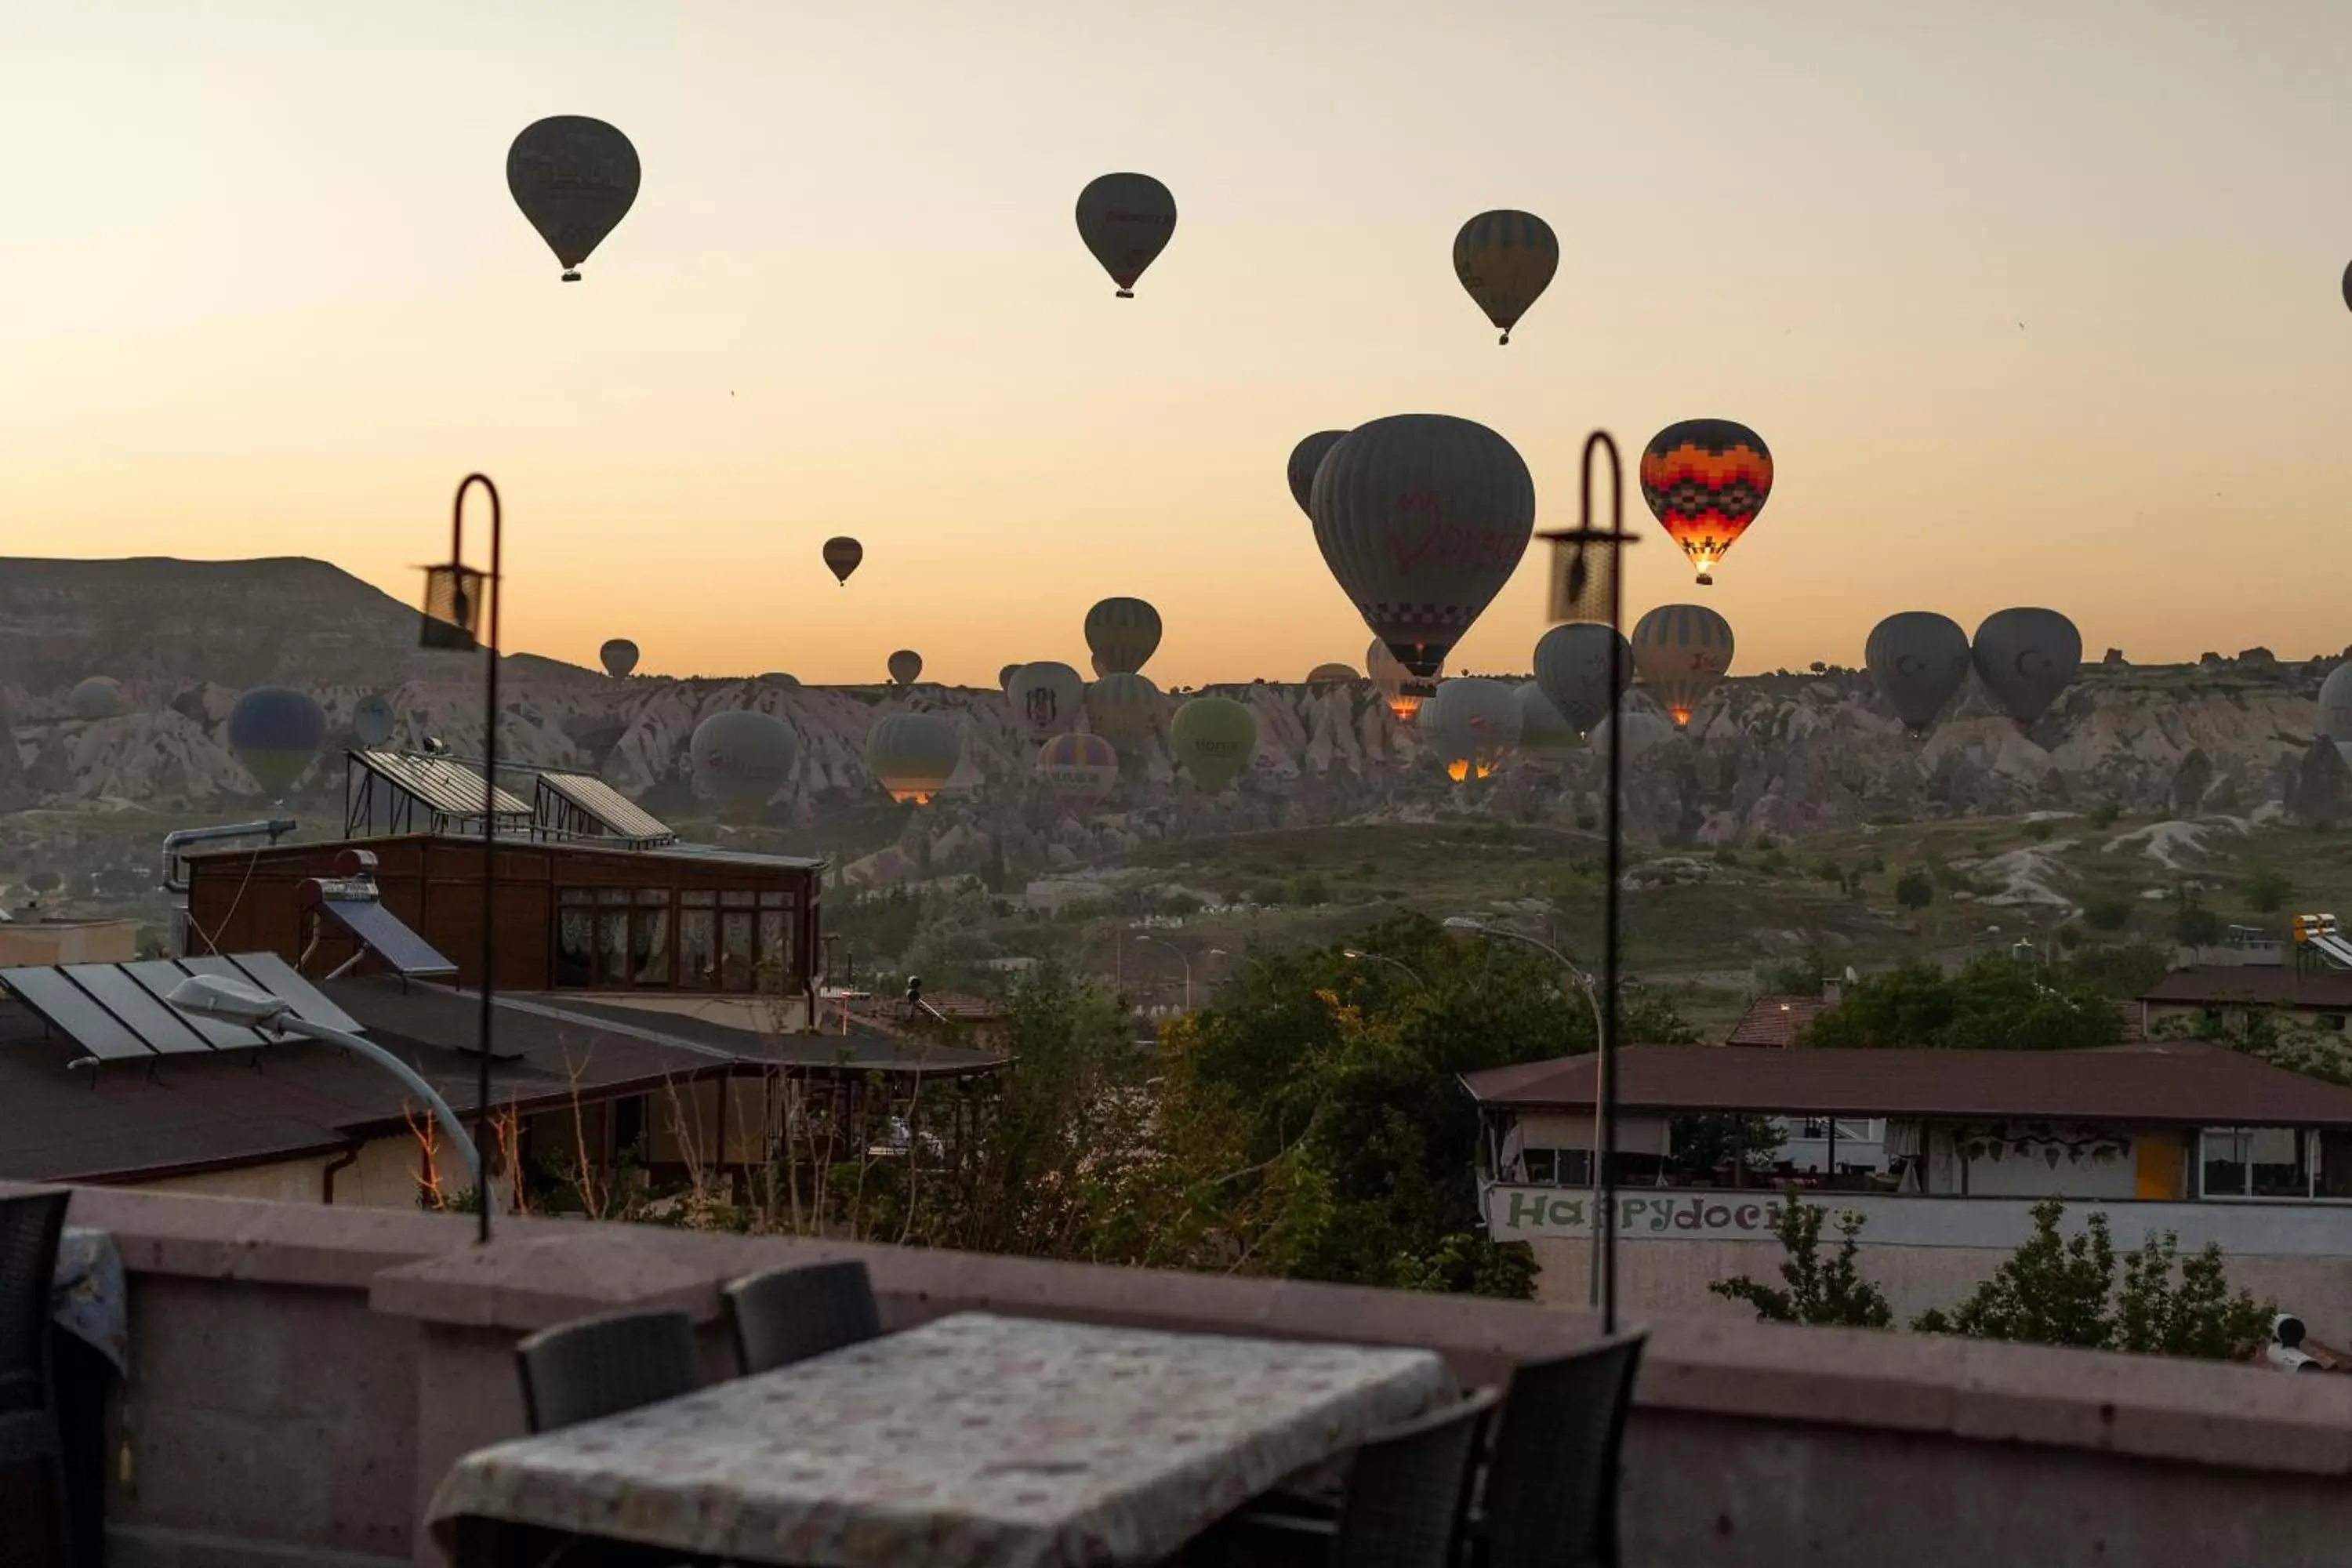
1471, 725
1047, 697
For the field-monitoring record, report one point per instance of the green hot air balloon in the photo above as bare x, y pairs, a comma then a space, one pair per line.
574, 178
740, 759
1215, 738
275, 732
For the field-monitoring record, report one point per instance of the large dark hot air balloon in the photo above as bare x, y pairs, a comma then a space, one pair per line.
1127, 221
1504, 259
2025, 658
742, 758
2347, 286
913, 755
1471, 725
1305, 458
842, 554
574, 178
1422, 518
1918, 660
619, 657
275, 733
1707, 480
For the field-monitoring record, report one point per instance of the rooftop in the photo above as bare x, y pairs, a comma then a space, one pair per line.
2184, 1082
1775, 1020
2254, 985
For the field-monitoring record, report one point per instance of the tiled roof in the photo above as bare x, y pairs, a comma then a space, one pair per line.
2186, 1082
1775, 1020
2253, 985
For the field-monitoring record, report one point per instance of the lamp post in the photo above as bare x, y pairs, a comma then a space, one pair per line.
1603, 1140
226, 1002
1179, 952
1357, 956
453, 620
1589, 585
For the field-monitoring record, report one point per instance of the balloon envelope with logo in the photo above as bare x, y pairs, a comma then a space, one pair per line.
1047, 696
1681, 651
1214, 738
1080, 768
2026, 657
1125, 220
1919, 661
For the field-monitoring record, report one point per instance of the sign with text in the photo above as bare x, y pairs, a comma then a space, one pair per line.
1524, 1214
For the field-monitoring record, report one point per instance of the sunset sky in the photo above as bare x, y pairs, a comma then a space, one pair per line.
2035, 304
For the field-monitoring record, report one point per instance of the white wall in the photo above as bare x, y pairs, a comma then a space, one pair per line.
2032, 1176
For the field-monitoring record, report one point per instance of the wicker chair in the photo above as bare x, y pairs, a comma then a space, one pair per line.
788, 1315
600, 1366
1404, 1503
29, 1228
1550, 1497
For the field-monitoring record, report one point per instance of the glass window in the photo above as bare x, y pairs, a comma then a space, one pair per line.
612, 947
697, 949
776, 947
654, 896
574, 939
2336, 1165
2278, 1164
649, 943
574, 896
737, 956
611, 895
739, 897
700, 897
1540, 1167
775, 900
2224, 1173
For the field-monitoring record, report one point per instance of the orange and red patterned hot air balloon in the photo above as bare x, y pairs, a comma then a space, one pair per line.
1707, 480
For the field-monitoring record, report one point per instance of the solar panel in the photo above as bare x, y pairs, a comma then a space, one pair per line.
158, 977
277, 976
391, 940
67, 1009
161, 1028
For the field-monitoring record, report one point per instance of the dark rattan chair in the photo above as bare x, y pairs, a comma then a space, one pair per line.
1549, 1497
602, 1367
788, 1315
29, 1227
1404, 1503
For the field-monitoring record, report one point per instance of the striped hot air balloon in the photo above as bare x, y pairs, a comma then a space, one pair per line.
1706, 479
1079, 769
1124, 710
1680, 651
913, 755
1504, 259
1122, 633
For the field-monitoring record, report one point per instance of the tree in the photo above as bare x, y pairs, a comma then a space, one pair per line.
2106, 911
2119, 970
2054, 1292
2194, 925
2268, 889
1707, 1144
1915, 890
1831, 1294
1995, 1003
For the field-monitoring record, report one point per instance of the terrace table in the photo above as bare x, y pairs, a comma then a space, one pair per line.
974, 1441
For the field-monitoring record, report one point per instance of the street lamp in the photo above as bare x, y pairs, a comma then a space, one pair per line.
1179, 952
1357, 956
1603, 1139
226, 1002
453, 620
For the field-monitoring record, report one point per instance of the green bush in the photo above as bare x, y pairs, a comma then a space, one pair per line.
1773, 862
1915, 890
2038, 831
2106, 911
1831, 1294
2268, 889
2104, 815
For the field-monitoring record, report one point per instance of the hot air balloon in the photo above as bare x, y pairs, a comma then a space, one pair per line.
619, 657
1404, 692
1422, 518
99, 696
1572, 668
1918, 660
1047, 696
1305, 458
1124, 710
1124, 634
1544, 731
574, 178
2335, 708
373, 720
1127, 221
2025, 658
1707, 480
275, 733
913, 755
1470, 725
905, 666
1079, 769
1005, 678
2347, 286
1332, 674
1681, 651
741, 758
1506, 259
1215, 738
842, 554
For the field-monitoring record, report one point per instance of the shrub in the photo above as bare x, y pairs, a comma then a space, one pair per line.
2038, 831
1833, 1293
2268, 889
1773, 862
2104, 815
2106, 911
1915, 890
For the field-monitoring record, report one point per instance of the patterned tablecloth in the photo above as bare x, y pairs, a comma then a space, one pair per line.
975, 1441
87, 1296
